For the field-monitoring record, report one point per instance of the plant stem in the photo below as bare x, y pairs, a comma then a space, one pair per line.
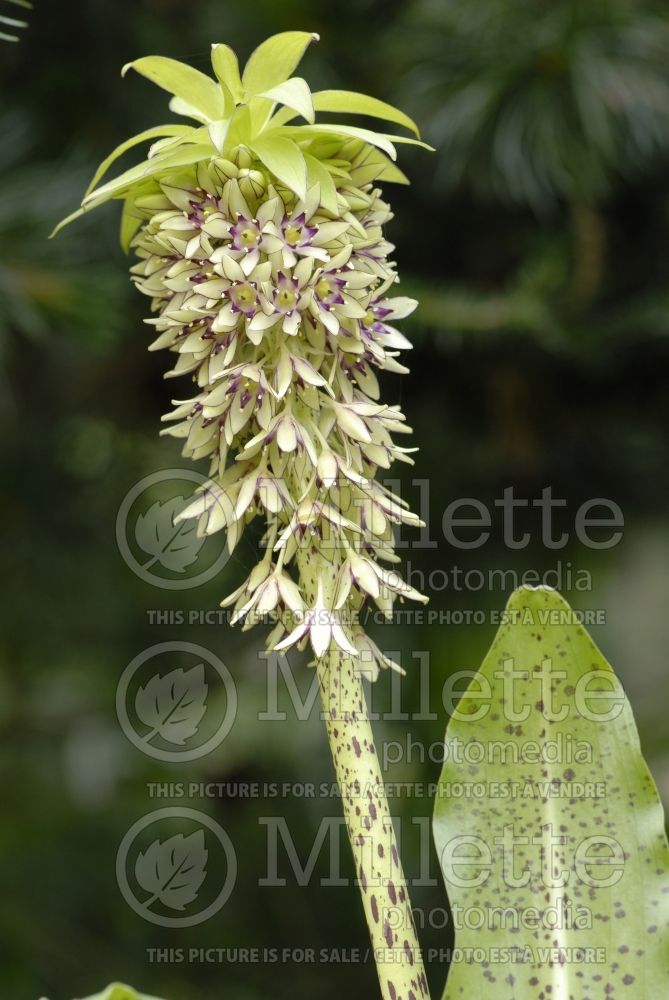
378, 867
379, 872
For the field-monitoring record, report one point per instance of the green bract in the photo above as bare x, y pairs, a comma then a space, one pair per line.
251, 111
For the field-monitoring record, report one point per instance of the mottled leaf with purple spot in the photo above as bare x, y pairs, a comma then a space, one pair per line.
548, 825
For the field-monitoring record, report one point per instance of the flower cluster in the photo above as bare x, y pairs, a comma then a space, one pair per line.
276, 296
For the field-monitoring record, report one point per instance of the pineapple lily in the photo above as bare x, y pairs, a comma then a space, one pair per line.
260, 244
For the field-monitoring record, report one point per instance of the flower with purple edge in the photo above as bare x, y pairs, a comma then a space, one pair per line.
377, 334
298, 237
248, 237
328, 291
201, 207
243, 296
296, 232
245, 234
375, 316
287, 299
284, 300
301, 236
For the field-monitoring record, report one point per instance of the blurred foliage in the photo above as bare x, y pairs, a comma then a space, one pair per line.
537, 244
557, 107
9, 23
42, 283
540, 102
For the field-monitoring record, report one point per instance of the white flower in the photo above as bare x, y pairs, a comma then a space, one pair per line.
323, 627
288, 433
370, 657
260, 595
372, 580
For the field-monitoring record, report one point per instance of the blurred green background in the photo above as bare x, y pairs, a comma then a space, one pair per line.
536, 239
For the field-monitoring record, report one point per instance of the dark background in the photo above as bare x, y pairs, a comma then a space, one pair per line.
536, 239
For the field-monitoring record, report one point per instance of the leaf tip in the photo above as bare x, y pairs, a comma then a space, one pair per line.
541, 595
65, 222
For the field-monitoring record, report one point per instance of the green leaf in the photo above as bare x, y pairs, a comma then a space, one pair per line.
226, 68
239, 132
350, 102
392, 173
378, 139
218, 132
547, 823
185, 82
295, 94
181, 107
274, 60
149, 133
406, 140
130, 223
158, 165
346, 131
375, 166
284, 159
317, 173
118, 991
66, 222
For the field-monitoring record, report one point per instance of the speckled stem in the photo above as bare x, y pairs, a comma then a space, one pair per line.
378, 867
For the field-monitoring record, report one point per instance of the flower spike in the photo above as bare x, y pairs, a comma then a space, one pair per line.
260, 246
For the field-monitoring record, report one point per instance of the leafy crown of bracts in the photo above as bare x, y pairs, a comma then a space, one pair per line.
261, 247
